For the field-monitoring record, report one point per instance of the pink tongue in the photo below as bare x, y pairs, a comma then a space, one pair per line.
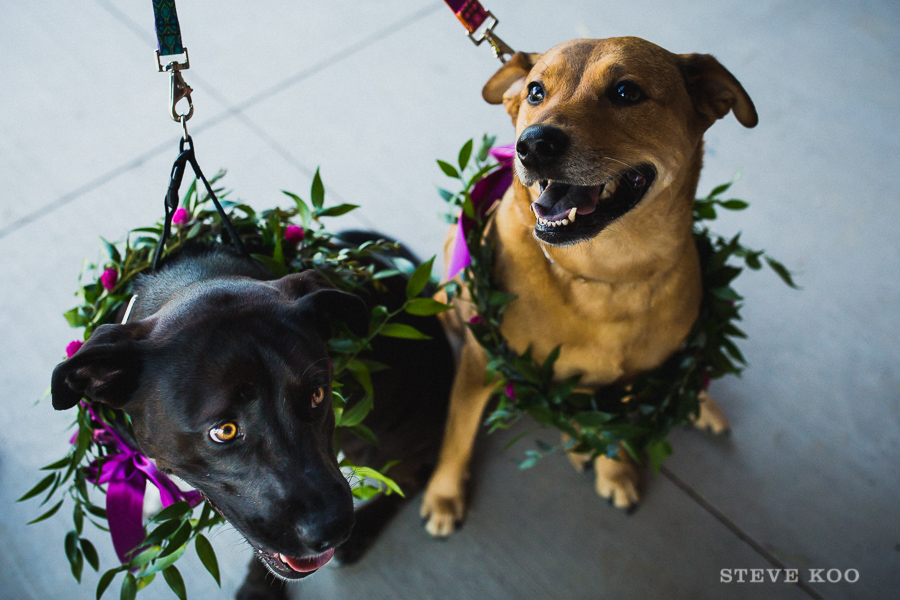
305, 565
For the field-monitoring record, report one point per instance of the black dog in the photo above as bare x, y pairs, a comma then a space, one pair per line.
225, 375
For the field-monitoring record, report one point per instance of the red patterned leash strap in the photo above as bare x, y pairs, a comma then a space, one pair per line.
480, 24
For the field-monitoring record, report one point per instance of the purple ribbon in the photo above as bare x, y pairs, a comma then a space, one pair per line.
126, 471
484, 194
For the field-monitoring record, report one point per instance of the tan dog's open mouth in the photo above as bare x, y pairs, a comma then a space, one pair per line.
567, 214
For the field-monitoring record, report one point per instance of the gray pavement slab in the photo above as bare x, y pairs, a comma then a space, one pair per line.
373, 93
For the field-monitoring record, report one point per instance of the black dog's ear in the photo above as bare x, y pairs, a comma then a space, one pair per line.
330, 305
715, 91
106, 369
505, 86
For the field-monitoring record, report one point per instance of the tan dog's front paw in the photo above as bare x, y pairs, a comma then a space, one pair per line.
711, 416
442, 512
617, 480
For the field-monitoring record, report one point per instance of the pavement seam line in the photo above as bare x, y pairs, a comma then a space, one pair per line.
734, 528
231, 111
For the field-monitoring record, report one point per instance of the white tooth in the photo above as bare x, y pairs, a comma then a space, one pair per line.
572, 214
565, 221
606, 193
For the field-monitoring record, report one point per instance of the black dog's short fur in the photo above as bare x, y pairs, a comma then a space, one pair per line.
213, 339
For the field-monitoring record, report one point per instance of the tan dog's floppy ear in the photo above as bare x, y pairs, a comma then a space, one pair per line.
715, 91
504, 86
106, 369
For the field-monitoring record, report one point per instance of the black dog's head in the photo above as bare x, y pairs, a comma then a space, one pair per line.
229, 387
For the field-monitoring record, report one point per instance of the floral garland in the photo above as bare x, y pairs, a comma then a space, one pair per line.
104, 457
637, 417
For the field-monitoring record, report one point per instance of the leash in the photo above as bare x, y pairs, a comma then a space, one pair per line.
169, 45
480, 24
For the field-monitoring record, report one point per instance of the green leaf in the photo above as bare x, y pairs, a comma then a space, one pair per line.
47, 514
447, 196
145, 557
71, 545
657, 452
425, 307
60, 464
164, 562
317, 192
782, 272
278, 269
173, 511
42, 485
336, 211
594, 418
465, 154
90, 553
720, 189
734, 204
207, 557
401, 330
176, 583
129, 588
302, 208
355, 415
178, 539
377, 476
448, 169
77, 565
112, 251
498, 298
104, 582
419, 279
75, 317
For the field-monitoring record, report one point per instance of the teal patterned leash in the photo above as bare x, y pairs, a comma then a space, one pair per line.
168, 33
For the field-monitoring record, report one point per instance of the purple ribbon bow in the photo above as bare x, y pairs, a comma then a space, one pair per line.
484, 194
126, 472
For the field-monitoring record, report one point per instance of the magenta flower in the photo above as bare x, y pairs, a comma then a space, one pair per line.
73, 347
510, 390
109, 279
294, 234
181, 216
476, 320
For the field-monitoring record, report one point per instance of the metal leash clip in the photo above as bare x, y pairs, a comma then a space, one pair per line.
486, 32
179, 89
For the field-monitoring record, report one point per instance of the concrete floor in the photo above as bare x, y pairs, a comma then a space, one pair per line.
374, 92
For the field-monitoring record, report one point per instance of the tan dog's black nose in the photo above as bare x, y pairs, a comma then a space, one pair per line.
541, 145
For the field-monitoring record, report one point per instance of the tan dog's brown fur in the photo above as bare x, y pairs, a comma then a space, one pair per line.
622, 302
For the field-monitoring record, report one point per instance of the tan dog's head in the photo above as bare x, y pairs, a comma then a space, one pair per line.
605, 125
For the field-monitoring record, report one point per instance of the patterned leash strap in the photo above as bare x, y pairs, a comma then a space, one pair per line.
169, 50
480, 24
169, 46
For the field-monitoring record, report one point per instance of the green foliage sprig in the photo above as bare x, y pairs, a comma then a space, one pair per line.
638, 416
275, 238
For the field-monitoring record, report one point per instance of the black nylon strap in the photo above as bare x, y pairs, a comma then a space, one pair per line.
186, 155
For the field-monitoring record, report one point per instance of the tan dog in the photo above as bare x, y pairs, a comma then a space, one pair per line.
594, 236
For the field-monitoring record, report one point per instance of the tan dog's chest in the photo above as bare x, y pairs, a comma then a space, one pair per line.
609, 330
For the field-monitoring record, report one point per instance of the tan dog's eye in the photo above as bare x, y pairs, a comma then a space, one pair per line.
535, 93
626, 93
318, 396
224, 433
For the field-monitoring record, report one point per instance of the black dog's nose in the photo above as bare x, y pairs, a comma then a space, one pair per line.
540, 145
323, 533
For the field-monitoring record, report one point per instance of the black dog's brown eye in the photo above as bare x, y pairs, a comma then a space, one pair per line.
535, 93
224, 433
318, 396
626, 93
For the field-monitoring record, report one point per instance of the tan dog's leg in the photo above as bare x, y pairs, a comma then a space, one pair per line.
444, 502
579, 460
617, 480
711, 416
